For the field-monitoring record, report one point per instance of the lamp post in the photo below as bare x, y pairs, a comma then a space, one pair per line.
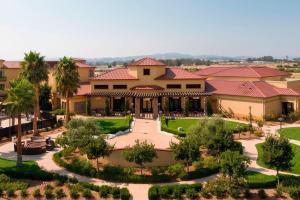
280, 119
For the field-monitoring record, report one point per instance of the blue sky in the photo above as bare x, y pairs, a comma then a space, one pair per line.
100, 28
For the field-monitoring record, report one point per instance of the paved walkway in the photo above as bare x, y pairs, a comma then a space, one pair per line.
144, 130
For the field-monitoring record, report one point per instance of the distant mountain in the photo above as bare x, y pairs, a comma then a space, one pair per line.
171, 55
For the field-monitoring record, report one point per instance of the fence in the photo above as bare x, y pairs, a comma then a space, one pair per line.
13, 130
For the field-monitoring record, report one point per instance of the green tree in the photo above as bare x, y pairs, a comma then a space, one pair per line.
67, 79
278, 153
35, 69
187, 150
19, 100
140, 153
45, 95
233, 164
98, 148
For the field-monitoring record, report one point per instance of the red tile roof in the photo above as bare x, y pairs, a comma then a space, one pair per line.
176, 73
115, 74
242, 71
51, 63
84, 90
147, 87
147, 62
247, 88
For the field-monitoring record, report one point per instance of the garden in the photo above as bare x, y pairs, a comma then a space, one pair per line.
196, 155
183, 126
30, 181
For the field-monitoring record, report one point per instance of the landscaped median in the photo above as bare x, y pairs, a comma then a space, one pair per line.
14, 184
113, 125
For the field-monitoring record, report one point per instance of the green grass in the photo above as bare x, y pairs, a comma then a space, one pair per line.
113, 125
296, 161
291, 133
259, 180
173, 124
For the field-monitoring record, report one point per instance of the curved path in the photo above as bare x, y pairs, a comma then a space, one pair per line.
138, 191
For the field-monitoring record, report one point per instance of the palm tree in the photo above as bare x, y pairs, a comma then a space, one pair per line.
35, 69
67, 80
19, 100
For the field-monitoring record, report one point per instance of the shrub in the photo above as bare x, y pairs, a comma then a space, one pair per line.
196, 186
48, 187
87, 193
115, 191
234, 191
153, 193
124, 194
205, 193
10, 192
262, 194
218, 187
294, 192
260, 123
104, 191
177, 191
23, 193
191, 193
279, 191
210, 162
60, 193
164, 191
37, 193
176, 170
74, 194
49, 194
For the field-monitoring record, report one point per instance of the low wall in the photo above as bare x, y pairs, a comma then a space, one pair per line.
164, 158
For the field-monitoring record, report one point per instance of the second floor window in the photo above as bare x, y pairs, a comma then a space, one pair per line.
101, 87
173, 86
146, 71
192, 86
120, 86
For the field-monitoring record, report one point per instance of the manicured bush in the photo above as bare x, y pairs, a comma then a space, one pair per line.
205, 193
279, 191
176, 170
262, 194
48, 187
124, 194
177, 192
60, 193
104, 191
10, 192
153, 193
37, 193
164, 191
191, 193
294, 192
74, 194
87, 193
49, 194
23, 193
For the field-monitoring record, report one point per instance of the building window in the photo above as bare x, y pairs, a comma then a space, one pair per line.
2, 86
192, 86
173, 86
120, 86
101, 87
91, 73
1, 73
146, 71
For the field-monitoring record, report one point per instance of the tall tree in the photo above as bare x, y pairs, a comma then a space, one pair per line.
140, 153
186, 150
19, 100
45, 95
67, 79
233, 164
35, 69
98, 148
278, 153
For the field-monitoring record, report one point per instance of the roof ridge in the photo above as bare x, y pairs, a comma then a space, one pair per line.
252, 68
266, 84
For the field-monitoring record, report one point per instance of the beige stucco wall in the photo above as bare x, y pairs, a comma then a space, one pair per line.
10, 74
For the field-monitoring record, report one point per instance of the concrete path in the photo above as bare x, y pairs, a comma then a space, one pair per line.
144, 130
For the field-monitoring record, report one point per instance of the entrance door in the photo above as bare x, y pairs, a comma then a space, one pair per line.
146, 105
287, 108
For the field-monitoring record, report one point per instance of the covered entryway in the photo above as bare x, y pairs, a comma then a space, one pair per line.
146, 105
287, 108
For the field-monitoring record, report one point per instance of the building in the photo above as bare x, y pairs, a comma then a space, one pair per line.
149, 86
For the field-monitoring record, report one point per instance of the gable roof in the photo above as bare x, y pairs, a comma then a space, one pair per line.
147, 62
247, 88
242, 71
115, 74
176, 73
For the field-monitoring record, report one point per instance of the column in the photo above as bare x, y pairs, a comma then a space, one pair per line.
205, 107
137, 107
155, 107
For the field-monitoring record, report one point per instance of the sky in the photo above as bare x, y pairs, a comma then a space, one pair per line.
111, 28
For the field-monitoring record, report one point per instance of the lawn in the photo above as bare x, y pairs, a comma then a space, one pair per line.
295, 169
291, 133
173, 124
113, 125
